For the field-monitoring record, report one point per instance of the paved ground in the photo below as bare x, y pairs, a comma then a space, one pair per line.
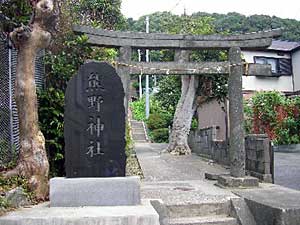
287, 169
178, 179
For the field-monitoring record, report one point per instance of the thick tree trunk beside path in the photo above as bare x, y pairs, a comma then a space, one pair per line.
32, 162
178, 144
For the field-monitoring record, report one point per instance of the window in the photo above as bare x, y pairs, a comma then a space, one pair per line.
280, 66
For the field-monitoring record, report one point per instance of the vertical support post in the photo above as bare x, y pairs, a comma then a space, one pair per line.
124, 72
147, 76
236, 114
140, 77
10, 99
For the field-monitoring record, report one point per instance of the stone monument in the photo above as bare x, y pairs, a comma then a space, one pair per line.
95, 143
95, 123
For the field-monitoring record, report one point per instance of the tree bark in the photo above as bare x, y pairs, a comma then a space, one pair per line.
32, 161
178, 143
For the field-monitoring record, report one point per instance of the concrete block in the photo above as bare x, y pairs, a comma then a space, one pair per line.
236, 182
241, 211
273, 205
77, 192
143, 214
213, 176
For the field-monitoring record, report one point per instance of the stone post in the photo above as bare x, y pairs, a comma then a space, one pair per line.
124, 72
236, 115
181, 56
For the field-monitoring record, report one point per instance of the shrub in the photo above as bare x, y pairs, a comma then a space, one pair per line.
160, 135
157, 121
138, 110
275, 115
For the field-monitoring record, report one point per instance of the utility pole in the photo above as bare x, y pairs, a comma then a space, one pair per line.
147, 76
140, 77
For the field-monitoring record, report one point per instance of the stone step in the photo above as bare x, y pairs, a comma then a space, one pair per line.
139, 136
137, 123
138, 130
209, 220
200, 209
140, 141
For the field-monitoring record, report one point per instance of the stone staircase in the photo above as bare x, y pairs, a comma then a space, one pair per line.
138, 132
213, 213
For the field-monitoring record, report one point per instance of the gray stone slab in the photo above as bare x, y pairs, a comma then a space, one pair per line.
241, 211
273, 205
77, 192
237, 182
143, 214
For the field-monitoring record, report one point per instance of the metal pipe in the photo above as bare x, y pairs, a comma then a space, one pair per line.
147, 76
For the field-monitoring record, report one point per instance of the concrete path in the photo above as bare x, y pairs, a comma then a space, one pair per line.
178, 179
287, 169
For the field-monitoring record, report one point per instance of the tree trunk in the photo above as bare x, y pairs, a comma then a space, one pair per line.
178, 144
32, 161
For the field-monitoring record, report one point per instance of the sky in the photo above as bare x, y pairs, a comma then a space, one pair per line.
280, 8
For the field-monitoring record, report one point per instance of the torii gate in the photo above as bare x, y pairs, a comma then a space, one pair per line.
126, 41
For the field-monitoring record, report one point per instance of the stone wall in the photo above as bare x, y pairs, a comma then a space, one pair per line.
259, 156
259, 152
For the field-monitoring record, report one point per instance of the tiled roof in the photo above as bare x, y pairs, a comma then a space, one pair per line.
284, 45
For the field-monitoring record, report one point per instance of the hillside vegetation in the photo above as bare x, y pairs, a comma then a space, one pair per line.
223, 23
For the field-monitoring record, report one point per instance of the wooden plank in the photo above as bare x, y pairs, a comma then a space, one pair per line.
158, 41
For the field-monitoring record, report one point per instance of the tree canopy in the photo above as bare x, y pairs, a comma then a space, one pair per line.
222, 23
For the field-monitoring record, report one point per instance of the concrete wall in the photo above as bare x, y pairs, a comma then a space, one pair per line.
259, 152
258, 83
296, 69
217, 119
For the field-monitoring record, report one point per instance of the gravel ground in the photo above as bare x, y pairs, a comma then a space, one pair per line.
133, 167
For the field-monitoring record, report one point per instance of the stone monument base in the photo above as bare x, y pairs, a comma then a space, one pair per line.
228, 181
78, 192
143, 214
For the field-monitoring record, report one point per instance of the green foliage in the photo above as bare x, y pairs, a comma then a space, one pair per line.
223, 23
238, 23
138, 109
265, 102
7, 184
51, 117
274, 114
169, 91
98, 13
18, 11
129, 141
158, 120
194, 125
248, 113
160, 135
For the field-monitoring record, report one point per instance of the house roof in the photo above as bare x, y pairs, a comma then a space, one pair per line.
285, 46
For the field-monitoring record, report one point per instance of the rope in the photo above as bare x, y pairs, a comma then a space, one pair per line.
168, 71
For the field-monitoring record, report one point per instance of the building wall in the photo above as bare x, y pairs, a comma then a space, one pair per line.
258, 83
296, 69
217, 119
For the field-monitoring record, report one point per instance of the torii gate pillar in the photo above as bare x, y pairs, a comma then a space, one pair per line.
236, 114
237, 151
